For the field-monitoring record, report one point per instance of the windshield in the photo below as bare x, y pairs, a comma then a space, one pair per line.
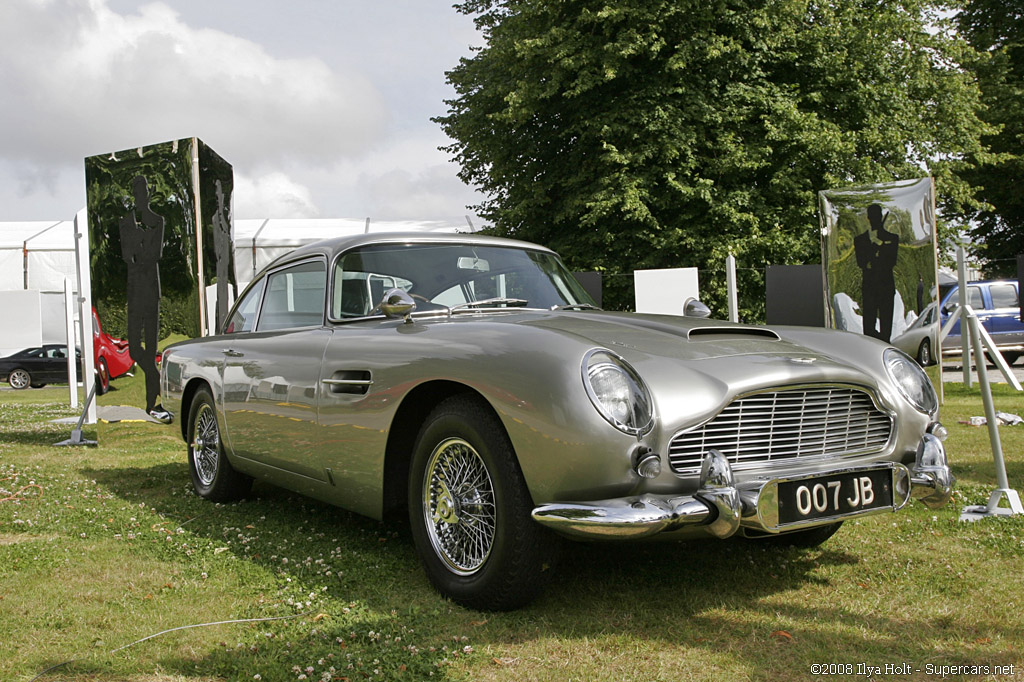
441, 276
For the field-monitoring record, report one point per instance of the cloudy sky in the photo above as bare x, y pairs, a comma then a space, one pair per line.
322, 106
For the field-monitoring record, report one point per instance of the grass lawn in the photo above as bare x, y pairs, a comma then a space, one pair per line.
102, 547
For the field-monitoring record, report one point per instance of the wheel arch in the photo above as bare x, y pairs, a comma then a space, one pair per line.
405, 427
187, 395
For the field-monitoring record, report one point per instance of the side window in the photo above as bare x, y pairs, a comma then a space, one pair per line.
295, 297
357, 292
243, 318
1003, 295
974, 298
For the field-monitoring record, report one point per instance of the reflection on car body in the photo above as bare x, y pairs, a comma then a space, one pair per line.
472, 382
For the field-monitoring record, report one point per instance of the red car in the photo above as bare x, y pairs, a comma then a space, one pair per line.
110, 355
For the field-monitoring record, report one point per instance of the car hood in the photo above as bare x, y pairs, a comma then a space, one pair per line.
676, 337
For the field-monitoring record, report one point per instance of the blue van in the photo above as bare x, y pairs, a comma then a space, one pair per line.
998, 308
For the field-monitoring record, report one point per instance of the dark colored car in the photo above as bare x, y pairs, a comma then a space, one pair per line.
38, 366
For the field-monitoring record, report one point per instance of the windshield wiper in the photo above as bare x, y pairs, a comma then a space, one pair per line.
575, 306
497, 300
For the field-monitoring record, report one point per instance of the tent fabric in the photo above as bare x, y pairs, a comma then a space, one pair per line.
37, 255
258, 242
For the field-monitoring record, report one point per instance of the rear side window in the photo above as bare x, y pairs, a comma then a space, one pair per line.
294, 297
1003, 295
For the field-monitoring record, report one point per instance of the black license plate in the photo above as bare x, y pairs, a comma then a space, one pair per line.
834, 495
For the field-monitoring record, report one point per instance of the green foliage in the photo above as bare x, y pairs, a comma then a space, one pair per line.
633, 134
996, 29
177, 316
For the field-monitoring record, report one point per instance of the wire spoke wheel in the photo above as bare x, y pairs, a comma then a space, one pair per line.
458, 506
206, 444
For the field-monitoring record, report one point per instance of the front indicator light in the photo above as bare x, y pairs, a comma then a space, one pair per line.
648, 465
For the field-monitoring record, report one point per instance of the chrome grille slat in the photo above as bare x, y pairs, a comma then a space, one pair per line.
791, 423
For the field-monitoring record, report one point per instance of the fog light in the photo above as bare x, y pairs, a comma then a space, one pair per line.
649, 465
939, 431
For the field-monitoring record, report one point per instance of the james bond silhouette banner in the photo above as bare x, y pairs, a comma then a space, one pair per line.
879, 254
159, 234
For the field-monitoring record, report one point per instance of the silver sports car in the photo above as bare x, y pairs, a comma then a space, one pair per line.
472, 382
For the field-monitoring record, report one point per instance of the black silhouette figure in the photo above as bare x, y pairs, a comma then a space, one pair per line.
142, 242
876, 251
222, 251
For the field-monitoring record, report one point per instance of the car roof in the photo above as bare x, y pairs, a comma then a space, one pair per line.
332, 247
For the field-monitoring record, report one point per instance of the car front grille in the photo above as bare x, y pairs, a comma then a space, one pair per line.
806, 422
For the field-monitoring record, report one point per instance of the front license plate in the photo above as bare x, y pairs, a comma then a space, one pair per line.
834, 495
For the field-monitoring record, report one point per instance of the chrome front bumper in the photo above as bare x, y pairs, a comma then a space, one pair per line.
721, 507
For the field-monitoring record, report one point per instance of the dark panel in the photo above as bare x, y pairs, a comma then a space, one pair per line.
795, 295
591, 281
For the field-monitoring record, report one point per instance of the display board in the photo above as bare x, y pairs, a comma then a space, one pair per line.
160, 231
879, 255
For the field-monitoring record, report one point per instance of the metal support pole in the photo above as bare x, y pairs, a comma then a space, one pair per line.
76, 433
69, 334
992, 508
730, 283
965, 344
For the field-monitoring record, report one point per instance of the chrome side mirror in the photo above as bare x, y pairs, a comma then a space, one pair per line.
694, 308
397, 303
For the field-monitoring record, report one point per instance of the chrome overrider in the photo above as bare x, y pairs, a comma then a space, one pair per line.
721, 506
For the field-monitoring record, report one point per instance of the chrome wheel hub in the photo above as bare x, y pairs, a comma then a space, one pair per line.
206, 445
458, 506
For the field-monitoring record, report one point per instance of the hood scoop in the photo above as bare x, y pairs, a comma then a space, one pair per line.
731, 334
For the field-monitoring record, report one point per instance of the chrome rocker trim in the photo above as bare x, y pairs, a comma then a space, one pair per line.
720, 507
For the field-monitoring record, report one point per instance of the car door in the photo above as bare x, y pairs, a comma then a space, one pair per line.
272, 369
952, 301
1004, 318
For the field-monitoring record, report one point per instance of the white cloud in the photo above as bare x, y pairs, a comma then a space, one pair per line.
273, 195
322, 108
80, 79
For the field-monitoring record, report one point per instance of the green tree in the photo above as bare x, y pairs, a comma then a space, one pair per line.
664, 133
996, 29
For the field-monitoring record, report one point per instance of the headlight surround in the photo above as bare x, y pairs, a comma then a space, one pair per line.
618, 392
913, 383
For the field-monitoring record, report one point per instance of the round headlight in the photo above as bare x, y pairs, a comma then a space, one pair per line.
913, 383
617, 392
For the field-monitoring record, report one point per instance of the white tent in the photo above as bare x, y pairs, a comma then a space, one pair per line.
258, 242
37, 256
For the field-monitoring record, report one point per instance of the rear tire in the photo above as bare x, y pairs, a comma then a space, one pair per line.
213, 477
469, 509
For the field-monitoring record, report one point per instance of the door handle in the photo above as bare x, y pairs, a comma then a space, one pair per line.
232, 353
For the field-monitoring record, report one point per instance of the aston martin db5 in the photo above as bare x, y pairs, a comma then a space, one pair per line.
472, 383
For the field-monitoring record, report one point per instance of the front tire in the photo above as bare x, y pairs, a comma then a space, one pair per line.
213, 477
469, 509
807, 539
19, 378
924, 353
102, 377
